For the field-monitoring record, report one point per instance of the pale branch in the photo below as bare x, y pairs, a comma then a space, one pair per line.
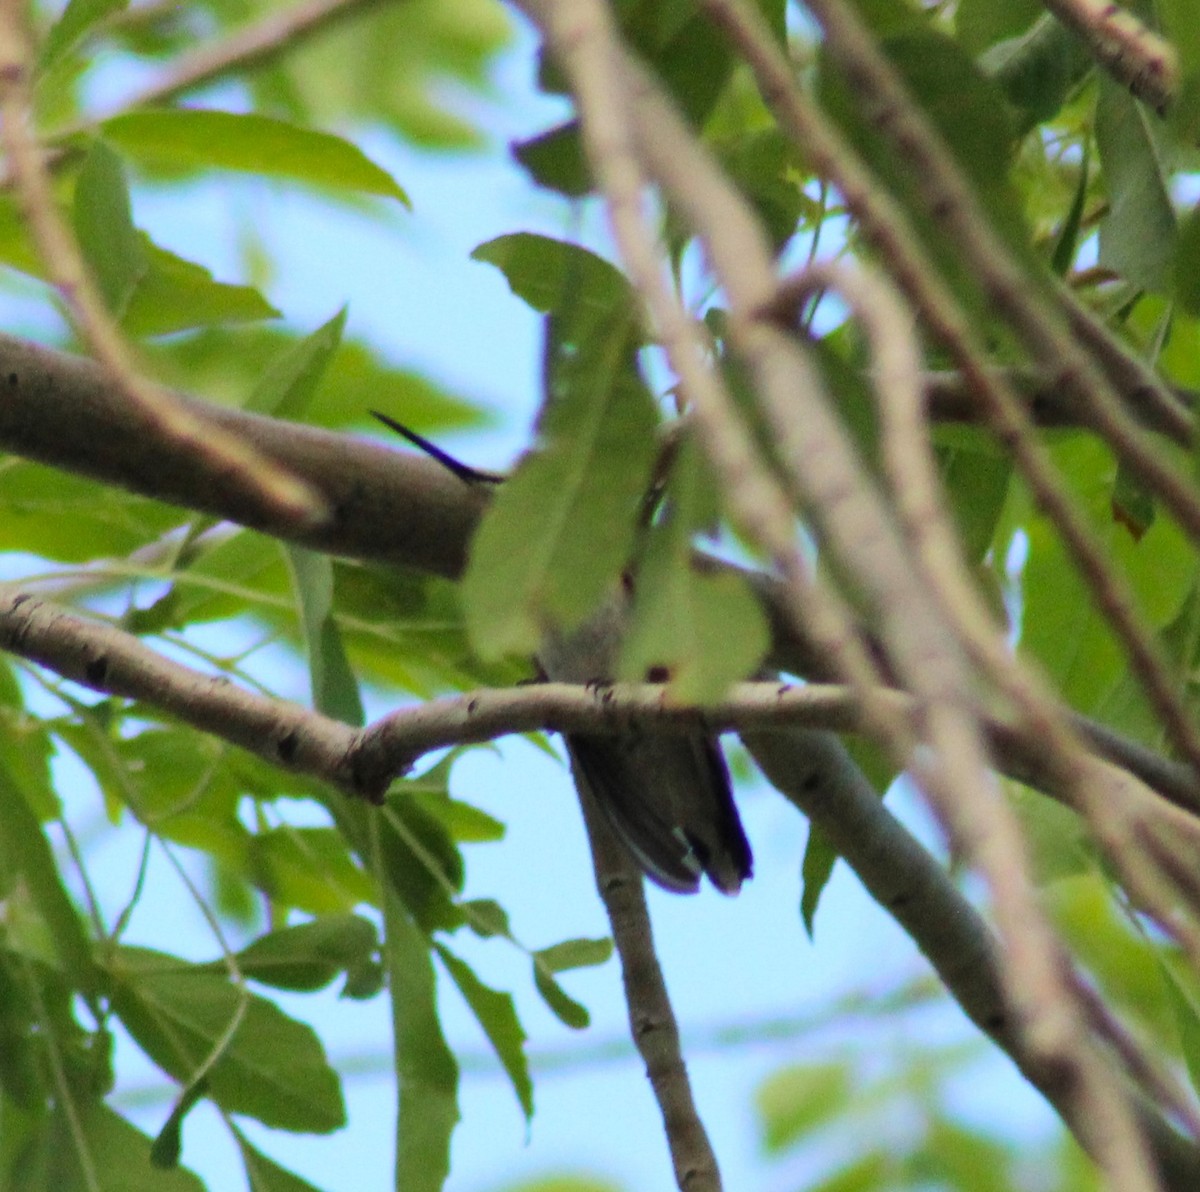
888, 229
921, 506
819, 462
652, 1020
384, 505
109, 660
1134, 55
811, 445
912, 887
164, 423
363, 762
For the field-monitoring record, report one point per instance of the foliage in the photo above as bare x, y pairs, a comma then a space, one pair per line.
1079, 179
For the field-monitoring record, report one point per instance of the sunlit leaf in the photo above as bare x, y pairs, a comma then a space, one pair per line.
193, 138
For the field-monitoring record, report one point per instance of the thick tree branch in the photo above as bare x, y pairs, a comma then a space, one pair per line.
385, 506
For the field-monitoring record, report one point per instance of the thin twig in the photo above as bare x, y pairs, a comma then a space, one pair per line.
651, 1019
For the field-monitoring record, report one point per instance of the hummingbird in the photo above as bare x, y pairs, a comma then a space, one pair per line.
667, 795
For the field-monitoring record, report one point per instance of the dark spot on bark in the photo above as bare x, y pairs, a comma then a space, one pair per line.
288, 746
13, 379
96, 671
994, 1023
812, 780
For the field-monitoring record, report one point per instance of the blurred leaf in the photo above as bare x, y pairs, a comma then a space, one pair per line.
273, 1069
263, 1174
287, 386
560, 958
25, 850
116, 1154
426, 1071
227, 363
307, 956
421, 863
1068, 239
69, 519
796, 1101
192, 138
115, 252
560, 529
77, 19
334, 687
177, 295
705, 631
815, 871
307, 868
1137, 236
497, 1014
486, 918
167, 1147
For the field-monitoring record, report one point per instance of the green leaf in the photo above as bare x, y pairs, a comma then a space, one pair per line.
1068, 238
1037, 69
421, 863
497, 1015
193, 138
486, 918
263, 1174
334, 687
555, 160
426, 1071
1187, 1020
704, 630
69, 519
116, 253
177, 295
1137, 237
116, 1154
307, 956
307, 868
554, 540
24, 849
1185, 268
287, 386
798, 1100
559, 958
77, 19
273, 1069
815, 871
549, 274
168, 1146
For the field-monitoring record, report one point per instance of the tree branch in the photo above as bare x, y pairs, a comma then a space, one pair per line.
1135, 56
384, 506
651, 1018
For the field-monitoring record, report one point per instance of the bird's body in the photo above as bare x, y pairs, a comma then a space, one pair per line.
666, 795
